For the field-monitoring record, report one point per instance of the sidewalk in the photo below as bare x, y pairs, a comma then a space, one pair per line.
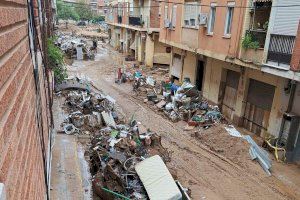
69, 179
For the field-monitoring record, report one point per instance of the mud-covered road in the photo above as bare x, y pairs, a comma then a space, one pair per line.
208, 174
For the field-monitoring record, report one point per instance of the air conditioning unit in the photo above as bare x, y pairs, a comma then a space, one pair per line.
202, 19
168, 23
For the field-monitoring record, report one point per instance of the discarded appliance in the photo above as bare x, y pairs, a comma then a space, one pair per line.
157, 179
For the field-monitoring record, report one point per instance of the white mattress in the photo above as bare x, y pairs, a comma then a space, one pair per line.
157, 179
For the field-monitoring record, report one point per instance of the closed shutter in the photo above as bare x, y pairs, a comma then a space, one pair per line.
261, 94
177, 66
232, 79
287, 17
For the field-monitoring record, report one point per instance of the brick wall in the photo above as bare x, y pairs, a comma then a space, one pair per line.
21, 158
154, 14
295, 63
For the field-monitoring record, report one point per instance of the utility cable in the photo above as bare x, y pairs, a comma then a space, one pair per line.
78, 5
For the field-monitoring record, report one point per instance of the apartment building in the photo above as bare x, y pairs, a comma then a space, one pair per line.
239, 53
102, 10
134, 30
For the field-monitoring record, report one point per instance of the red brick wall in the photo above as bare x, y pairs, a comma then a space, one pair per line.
21, 162
154, 14
295, 63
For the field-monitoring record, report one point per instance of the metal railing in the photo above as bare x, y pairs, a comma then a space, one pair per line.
135, 20
119, 19
281, 48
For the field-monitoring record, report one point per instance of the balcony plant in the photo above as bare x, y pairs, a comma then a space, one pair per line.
249, 42
266, 25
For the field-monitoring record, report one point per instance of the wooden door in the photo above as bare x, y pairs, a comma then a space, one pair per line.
230, 93
258, 106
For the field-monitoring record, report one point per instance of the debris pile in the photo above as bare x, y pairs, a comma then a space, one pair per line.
116, 147
76, 47
177, 102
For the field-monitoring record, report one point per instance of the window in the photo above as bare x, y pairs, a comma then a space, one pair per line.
174, 15
191, 12
120, 10
229, 16
166, 12
212, 18
131, 8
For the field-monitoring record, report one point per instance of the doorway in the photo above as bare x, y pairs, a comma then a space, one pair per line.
258, 106
200, 75
230, 93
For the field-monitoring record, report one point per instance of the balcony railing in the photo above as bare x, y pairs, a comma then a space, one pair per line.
135, 21
259, 35
281, 49
119, 19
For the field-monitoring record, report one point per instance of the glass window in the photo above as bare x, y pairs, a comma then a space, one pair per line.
191, 12
212, 18
174, 15
228, 22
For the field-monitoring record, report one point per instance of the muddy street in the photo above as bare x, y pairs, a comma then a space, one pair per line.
208, 174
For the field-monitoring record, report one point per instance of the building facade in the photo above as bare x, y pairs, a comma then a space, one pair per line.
240, 55
134, 30
25, 99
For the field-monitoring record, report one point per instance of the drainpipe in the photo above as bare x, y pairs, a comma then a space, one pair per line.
289, 108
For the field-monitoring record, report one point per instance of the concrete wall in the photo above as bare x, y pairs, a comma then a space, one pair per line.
160, 54
149, 51
21, 162
296, 105
212, 44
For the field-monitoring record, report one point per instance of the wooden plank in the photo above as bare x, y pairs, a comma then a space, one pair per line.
229, 101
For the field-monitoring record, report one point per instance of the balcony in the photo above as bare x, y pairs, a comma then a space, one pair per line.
119, 19
259, 35
135, 21
280, 49
253, 46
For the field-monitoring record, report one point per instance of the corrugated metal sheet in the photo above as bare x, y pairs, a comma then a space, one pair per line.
287, 17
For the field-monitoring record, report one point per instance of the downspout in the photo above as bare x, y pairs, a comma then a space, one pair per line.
33, 41
289, 107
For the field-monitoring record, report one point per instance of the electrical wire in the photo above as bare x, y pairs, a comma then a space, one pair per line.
116, 6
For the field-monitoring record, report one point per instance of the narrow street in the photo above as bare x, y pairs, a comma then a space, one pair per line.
208, 174
150, 100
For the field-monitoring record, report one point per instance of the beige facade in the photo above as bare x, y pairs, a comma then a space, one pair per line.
227, 73
214, 76
134, 30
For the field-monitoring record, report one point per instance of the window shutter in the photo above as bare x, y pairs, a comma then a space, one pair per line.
166, 12
174, 15
131, 8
